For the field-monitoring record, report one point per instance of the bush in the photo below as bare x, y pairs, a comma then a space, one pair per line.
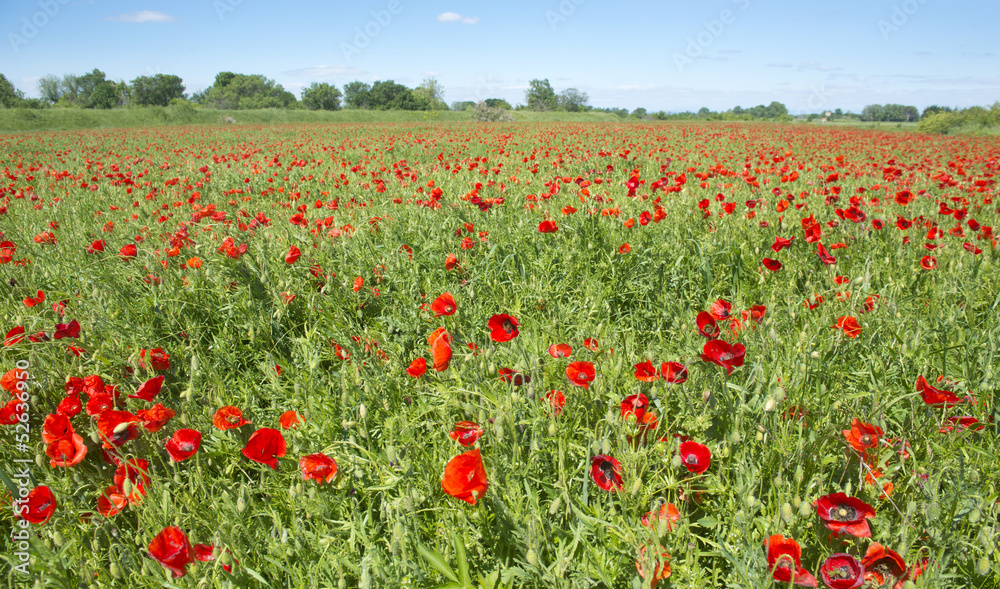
490, 114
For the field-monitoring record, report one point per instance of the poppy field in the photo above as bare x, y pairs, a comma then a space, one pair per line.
475, 356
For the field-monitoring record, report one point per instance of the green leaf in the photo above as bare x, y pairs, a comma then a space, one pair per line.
437, 562
463, 564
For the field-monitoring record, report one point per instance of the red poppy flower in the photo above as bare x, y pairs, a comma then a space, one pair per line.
417, 368
581, 373
15, 335
634, 405
451, 262
624, 248
172, 549
465, 477
645, 372
842, 571
128, 252
318, 467
117, 427
466, 432
707, 325
845, 515
158, 359
204, 552
154, 418
784, 559
720, 309
780, 243
937, 397
771, 264
37, 506
183, 444
560, 350
265, 446
96, 246
149, 389
443, 305
659, 565
667, 513
71, 329
862, 435
289, 419
722, 353
293, 255
136, 471
36, 300
111, 502
928, 263
69, 406
358, 283
695, 457
556, 400
674, 372
503, 328
881, 563
824, 255
67, 451
548, 226
228, 417
440, 342
591, 344
12, 379
849, 325
606, 472
56, 427
514, 377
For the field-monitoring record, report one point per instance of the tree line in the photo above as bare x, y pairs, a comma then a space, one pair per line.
232, 91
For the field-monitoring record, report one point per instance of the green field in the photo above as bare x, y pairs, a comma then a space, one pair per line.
719, 390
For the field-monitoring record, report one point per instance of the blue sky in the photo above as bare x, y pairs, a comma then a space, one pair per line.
667, 55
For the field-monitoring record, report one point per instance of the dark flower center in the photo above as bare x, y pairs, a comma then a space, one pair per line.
866, 439
507, 326
691, 459
841, 572
843, 513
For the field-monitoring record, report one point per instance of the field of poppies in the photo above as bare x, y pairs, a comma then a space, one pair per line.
473, 356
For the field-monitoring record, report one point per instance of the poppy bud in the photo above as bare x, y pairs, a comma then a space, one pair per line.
805, 510
363, 411
241, 505
786, 513
532, 559
554, 508
932, 511
983, 566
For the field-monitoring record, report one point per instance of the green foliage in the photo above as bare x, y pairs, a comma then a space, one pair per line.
540, 96
356, 94
9, 95
484, 113
431, 92
889, 113
573, 100
247, 92
774, 426
388, 95
156, 90
321, 96
973, 120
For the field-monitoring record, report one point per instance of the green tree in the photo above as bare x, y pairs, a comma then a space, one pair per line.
9, 95
464, 105
540, 96
432, 92
498, 103
356, 94
87, 84
934, 109
247, 92
872, 113
321, 96
776, 109
156, 90
104, 95
49, 88
573, 100
388, 95
639, 113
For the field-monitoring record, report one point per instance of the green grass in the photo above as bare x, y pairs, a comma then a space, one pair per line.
384, 521
55, 119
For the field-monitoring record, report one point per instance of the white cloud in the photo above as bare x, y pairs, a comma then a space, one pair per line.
324, 72
456, 17
143, 16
